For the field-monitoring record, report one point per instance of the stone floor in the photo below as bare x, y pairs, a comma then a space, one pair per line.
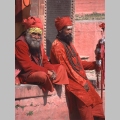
32, 99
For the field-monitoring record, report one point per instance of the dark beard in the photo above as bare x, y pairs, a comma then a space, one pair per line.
65, 38
34, 44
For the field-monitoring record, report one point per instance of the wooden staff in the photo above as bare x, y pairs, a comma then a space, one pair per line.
98, 84
102, 77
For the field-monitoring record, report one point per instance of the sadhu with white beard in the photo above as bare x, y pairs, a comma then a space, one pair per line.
31, 58
83, 101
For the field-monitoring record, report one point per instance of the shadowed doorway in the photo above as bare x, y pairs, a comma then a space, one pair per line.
55, 8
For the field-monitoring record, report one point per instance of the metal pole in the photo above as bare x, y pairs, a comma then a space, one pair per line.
101, 84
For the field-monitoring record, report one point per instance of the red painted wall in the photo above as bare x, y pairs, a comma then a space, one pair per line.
89, 6
87, 33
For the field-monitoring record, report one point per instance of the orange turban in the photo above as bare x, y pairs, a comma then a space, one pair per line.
61, 22
31, 22
102, 25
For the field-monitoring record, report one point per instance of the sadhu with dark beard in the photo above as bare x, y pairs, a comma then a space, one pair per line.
32, 60
83, 101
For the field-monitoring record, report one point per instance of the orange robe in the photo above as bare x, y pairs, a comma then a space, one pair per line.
76, 81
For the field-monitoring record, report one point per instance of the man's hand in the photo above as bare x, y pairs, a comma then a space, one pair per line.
52, 74
86, 87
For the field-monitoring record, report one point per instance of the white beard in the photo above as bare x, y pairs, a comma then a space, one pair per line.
32, 42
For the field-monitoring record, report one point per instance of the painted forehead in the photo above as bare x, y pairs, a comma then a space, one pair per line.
35, 30
69, 27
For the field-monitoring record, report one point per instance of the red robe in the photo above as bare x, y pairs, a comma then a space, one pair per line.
76, 81
100, 55
29, 66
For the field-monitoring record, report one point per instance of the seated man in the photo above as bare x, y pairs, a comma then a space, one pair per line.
83, 101
32, 61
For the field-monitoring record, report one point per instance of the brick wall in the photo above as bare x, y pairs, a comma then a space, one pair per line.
86, 32
89, 6
86, 37
32, 104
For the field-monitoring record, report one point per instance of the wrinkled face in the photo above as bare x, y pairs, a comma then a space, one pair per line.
33, 39
66, 34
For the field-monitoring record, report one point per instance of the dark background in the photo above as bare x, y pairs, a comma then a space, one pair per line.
55, 8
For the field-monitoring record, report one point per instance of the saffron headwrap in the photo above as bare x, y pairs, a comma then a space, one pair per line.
61, 22
32, 22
